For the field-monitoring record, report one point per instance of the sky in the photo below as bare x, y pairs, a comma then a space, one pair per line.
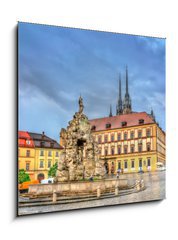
57, 64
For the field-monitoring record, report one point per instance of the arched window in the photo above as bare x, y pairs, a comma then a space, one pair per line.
125, 136
112, 151
125, 149
119, 149
105, 138
99, 139
148, 147
112, 138
118, 136
148, 133
139, 133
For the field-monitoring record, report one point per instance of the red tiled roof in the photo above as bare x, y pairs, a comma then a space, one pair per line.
132, 119
48, 142
29, 139
24, 139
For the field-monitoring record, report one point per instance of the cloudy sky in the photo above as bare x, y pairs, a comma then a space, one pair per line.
58, 64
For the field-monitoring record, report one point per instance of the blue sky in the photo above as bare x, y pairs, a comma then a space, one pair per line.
58, 64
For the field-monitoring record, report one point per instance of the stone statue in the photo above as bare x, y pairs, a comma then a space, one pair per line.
81, 107
80, 158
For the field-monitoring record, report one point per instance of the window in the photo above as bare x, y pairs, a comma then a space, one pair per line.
28, 142
41, 153
139, 147
149, 162
42, 144
141, 121
148, 133
57, 154
125, 164
119, 165
49, 154
108, 125
139, 134
140, 162
112, 151
123, 124
106, 151
132, 149
125, 149
148, 147
132, 135
99, 139
51, 144
27, 166
132, 164
119, 149
106, 138
49, 163
125, 136
119, 137
112, 138
28, 153
41, 163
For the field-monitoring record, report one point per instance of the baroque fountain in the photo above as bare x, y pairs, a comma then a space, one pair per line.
80, 169
80, 157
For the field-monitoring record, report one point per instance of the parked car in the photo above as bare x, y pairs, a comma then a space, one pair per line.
160, 166
46, 181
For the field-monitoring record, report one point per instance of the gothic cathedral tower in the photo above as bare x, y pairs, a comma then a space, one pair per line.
119, 109
127, 105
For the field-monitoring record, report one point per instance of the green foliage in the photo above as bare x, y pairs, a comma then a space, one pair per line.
23, 176
52, 171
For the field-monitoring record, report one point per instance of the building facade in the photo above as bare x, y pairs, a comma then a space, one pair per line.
130, 141
37, 153
26, 153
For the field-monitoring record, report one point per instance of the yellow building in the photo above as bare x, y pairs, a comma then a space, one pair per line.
130, 141
37, 153
26, 153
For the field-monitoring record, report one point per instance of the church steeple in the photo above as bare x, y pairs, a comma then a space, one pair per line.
127, 105
119, 109
110, 114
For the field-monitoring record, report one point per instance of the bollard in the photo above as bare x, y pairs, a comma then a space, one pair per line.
138, 185
117, 188
142, 184
54, 196
116, 191
98, 192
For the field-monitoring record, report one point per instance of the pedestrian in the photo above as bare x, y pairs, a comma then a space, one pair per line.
118, 171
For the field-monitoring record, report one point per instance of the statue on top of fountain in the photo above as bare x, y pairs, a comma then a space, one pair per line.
80, 157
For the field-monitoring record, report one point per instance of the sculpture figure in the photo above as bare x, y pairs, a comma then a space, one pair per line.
80, 157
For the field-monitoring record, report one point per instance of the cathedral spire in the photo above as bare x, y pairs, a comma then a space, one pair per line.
110, 114
127, 88
119, 105
127, 106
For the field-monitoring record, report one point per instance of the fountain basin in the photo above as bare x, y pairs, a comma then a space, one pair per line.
77, 187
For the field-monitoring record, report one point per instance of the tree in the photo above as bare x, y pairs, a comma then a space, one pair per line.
52, 170
23, 176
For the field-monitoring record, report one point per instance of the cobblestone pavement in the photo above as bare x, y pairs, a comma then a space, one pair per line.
155, 190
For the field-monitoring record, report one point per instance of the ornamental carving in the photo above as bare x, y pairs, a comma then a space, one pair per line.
80, 157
